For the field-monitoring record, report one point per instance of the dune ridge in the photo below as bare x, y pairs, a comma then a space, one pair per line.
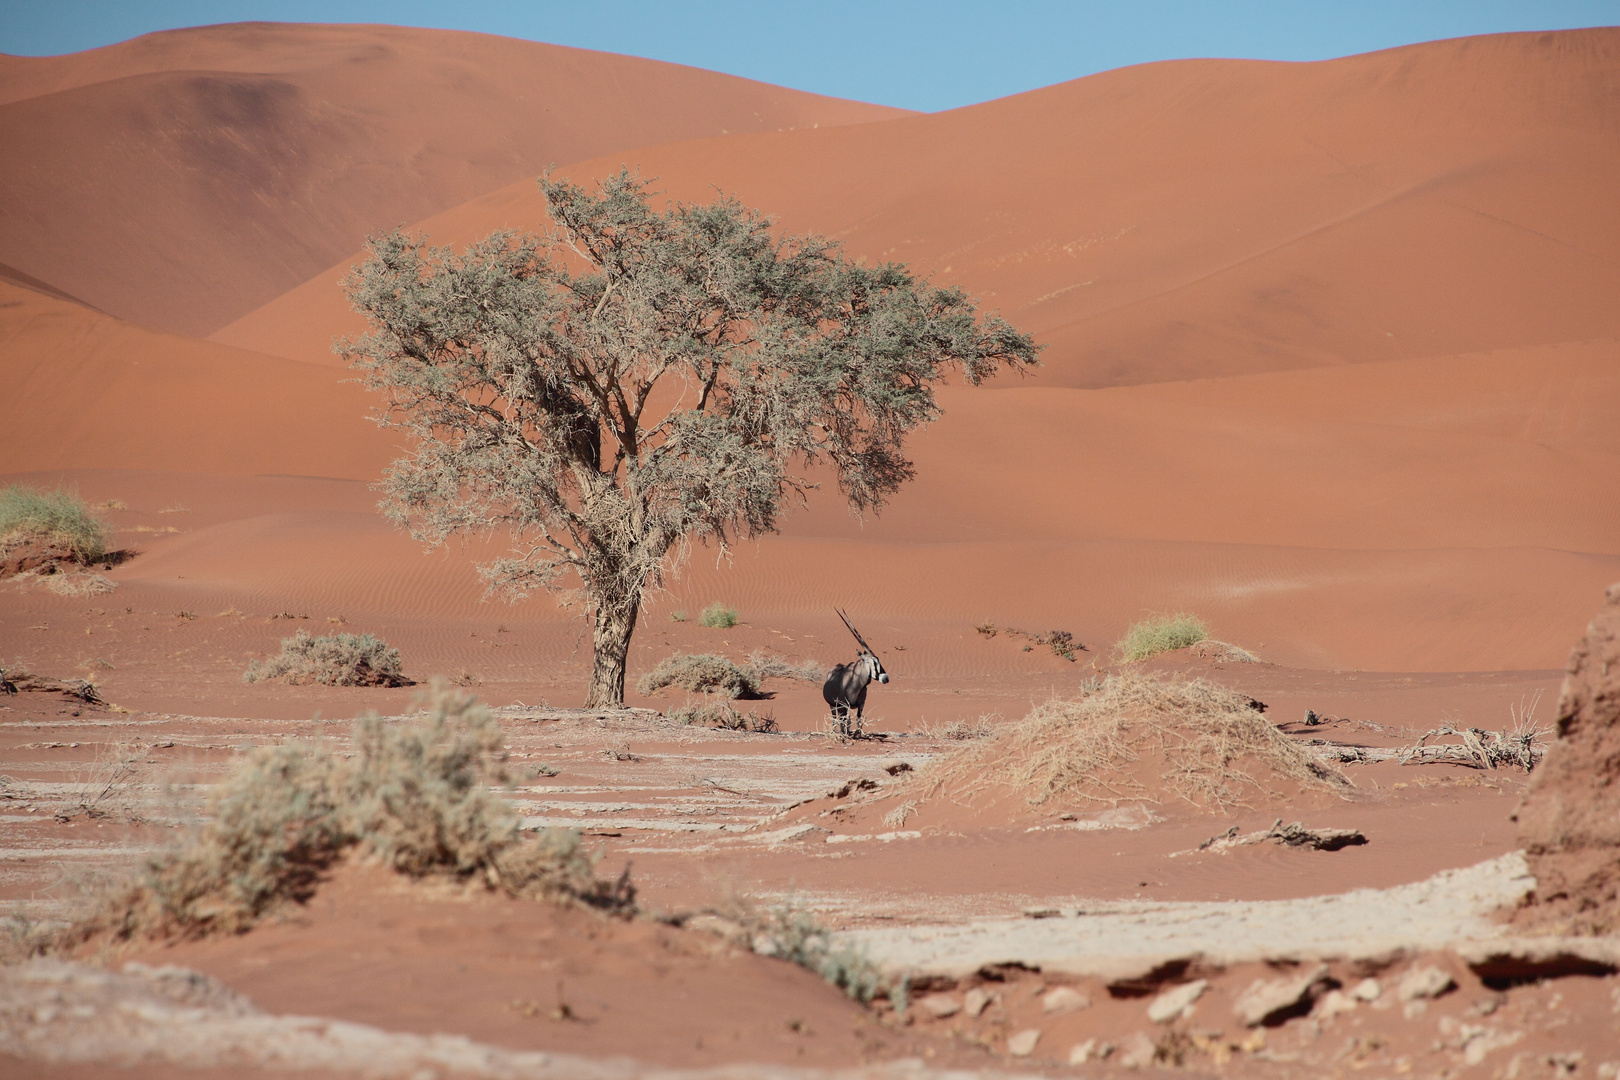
211, 169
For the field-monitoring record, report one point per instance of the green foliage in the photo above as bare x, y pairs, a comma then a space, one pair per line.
718, 616
58, 518
1159, 634
331, 660
678, 615
787, 356
699, 673
414, 795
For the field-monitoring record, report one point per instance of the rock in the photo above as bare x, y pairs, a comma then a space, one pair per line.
1475, 1049
1367, 990
1569, 821
1064, 999
1090, 1050
976, 1001
1424, 982
940, 1006
1023, 1043
1174, 1003
1267, 1002
1333, 1003
1138, 1051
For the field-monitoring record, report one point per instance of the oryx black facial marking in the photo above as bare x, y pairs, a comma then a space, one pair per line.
845, 688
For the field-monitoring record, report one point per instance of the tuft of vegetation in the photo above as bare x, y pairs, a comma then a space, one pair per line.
331, 660
678, 615
57, 518
1133, 738
414, 795
959, 730
764, 666
717, 714
796, 936
718, 616
1160, 634
80, 584
699, 673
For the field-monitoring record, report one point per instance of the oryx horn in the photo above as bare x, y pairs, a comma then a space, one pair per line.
854, 631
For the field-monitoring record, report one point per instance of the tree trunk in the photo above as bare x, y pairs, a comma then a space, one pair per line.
610, 642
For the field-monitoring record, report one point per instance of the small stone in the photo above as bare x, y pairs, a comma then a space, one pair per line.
975, 1002
1064, 999
1175, 1003
1416, 1008
1333, 1003
1138, 1051
1082, 1052
940, 1006
1424, 982
1023, 1043
1264, 1001
1367, 990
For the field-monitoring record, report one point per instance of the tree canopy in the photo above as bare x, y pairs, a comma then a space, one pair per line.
638, 378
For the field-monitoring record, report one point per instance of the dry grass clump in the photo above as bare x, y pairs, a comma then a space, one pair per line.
80, 584
1160, 634
699, 673
59, 519
717, 714
415, 795
331, 660
764, 666
1202, 740
959, 730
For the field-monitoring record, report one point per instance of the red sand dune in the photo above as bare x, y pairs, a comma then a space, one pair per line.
1195, 218
212, 169
1443, 503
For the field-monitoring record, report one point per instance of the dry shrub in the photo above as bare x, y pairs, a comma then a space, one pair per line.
80, 584
415, 795
1200, 738
1160, 634
718, 617
699, 673
717, 714
331, 660
959, 730
762, 666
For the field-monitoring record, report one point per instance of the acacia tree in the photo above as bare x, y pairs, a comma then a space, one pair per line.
637, 379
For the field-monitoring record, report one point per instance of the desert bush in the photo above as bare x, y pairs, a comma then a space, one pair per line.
796, 936
1201, 740
58, 518
959, 730
764, 666
414, 795
80, 584
718, 616
718, 714
331, 660
1161, 633
699, 673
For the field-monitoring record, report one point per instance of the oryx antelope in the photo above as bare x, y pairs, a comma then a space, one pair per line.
845, 688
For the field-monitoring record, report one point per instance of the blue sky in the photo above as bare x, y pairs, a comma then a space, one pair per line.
918, 54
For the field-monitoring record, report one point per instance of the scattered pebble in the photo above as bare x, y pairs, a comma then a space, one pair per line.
1175, 1003
1333, 1003
1090, 1050
1064, 999
1367, 990
940, 1006
1264, 1000
975, 1002
1023, 1043
1138, 1051
1424, 982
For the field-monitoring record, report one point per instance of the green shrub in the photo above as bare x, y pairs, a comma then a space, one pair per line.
719, 616
415, 795
1160, 634
58, 518
331, 660
699, 673
796, 936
